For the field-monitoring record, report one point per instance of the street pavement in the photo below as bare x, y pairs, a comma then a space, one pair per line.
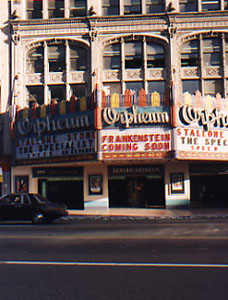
115, 259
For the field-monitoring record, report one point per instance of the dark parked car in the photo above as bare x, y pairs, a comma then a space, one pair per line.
31, 207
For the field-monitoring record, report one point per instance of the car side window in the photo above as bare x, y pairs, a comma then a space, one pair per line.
26, 199
16, 199
6, 200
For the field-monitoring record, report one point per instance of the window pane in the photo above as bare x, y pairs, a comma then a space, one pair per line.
190, 86
133, 55
110, 7
210, 5
56, 8
112, 87
211, 52
189, 54
78, 57
56, 58
132, 7
35, 60
156, 86
155, 56
134, 86
188, 5
34, 9
78, 90
57, 92
154, 6
226, 4
35, 95
78, 8
226, 51
212, 87
111, 59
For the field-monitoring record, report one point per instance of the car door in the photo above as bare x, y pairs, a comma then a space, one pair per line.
16, 207
21, 207
7, 209
26, 210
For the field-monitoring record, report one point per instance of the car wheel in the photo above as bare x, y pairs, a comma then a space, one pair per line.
38, 218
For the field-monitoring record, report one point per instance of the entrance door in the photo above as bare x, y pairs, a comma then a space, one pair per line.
136, 191
67, 192
155, 193
208, 190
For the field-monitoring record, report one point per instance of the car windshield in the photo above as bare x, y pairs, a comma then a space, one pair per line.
40, 198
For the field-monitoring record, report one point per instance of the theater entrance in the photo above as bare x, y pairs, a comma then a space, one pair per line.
61, 185
68, 192
142, 189
208, 182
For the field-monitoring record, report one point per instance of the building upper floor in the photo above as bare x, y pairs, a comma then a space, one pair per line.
77, 44
49, 9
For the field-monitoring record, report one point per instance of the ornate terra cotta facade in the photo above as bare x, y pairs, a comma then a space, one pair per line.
139, 64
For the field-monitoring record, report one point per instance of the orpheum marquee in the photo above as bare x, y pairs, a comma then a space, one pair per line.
67, 136
201, 133
135, 133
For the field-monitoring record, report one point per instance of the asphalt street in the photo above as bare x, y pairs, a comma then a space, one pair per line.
114, 260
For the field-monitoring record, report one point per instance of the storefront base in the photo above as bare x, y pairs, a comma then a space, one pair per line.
178, 203
102, 203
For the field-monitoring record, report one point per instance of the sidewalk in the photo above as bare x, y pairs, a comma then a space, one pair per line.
151, 214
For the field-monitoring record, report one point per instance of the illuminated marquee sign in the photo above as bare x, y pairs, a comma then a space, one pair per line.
215, 118
202, 134
134, 116
54, 136
56, 145
135, 143
54, 124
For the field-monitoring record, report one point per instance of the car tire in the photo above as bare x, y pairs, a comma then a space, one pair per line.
38, 218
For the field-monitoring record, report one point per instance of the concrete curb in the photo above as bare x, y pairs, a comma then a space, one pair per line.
72, 218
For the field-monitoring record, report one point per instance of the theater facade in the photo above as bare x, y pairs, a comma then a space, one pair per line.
129, 152
116, 103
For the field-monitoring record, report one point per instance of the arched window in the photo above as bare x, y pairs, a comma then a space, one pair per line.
62, 56
202, 61
140, 53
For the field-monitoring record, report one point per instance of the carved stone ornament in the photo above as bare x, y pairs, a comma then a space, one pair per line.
93, 34
155, 73
54, 78
190, 72
172, 30
34, 78
77, 76
113, 75
136, 74
212, 72
16, 38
